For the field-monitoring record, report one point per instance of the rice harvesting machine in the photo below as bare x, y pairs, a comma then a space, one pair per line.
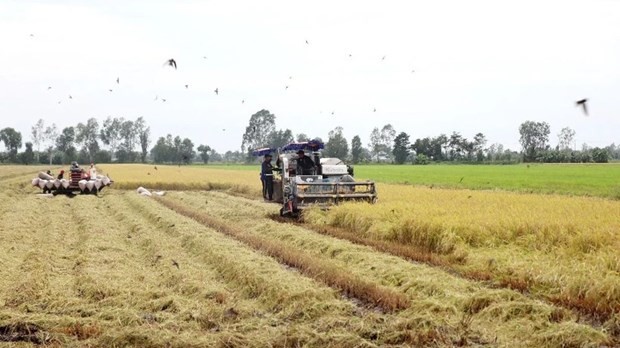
329, 182
78, 181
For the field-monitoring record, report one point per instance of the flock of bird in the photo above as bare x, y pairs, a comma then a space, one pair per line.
173, 64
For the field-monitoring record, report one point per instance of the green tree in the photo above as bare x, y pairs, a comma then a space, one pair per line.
279, 138
144, 136
534, 138
337, 145
161, 151
37, 136
439, 145
301, 137
64, 144
186, 151
401, 148
204, 151
110, 133
375, 143
12, 140
27, 157
50, 134
423, 147
456, 144
356, 149
388, 133
566, 138
260, 126
600, 155
381, 141
128, 135
87, 135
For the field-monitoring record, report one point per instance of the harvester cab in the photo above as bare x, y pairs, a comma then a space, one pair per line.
329, 182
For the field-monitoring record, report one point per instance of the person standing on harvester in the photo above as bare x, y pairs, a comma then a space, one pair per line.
266, 175
305, 165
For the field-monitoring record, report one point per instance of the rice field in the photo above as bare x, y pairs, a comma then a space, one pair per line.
210, 265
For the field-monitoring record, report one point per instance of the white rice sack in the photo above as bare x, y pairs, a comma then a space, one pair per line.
105, 180
141, 190
82, 184
90, 184
98, 183
35, 182
65, 183
49, 184
160, 193
56, 183
42, 183
45, 176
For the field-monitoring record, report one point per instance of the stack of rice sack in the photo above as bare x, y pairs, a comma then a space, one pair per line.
48, 183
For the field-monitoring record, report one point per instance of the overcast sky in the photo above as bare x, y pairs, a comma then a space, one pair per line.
480, 66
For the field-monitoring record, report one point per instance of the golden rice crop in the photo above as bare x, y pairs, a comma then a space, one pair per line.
11, 171
123, 270
434, 293
170, 177
564, 248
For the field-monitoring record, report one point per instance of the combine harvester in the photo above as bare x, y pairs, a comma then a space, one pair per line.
329, 183
84, 182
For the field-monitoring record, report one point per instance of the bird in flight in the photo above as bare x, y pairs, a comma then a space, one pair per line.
350, 55
204, 57
70, 97
332, 112
118, 80
175, 264
242, 101
223, 129
31, 35
49, 87
286, 87
217, 91
156, 97
307, 43
383, 58
163, 100
290, 77
374, 110
171, 62
583, 104
110, 90
186, 86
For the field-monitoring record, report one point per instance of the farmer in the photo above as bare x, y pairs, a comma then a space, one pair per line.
266, 176
92, 172
305, 165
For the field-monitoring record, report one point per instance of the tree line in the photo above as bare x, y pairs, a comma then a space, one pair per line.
121, 140
116, 139
386, 145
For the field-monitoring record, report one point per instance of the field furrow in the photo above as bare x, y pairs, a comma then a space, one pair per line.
285, 291
430, 290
